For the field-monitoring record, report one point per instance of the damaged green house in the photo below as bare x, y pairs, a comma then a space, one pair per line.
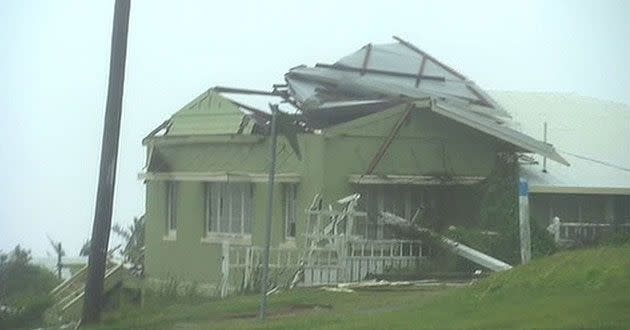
412, 136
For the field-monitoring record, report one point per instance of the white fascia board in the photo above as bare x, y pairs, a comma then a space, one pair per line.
218, 177
421, 180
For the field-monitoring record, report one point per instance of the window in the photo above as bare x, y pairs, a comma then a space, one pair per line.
290, 210
171, 208
228, 208
402, 201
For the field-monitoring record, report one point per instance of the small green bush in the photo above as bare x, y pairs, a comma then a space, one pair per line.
497, 233
618, 238
24, 290
504, 246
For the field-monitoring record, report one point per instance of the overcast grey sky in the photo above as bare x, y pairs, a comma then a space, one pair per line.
55, 57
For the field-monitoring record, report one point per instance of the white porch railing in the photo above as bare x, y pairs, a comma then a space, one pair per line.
378, 256
242, 265
355, 259
344, 246
339, 246
564, 232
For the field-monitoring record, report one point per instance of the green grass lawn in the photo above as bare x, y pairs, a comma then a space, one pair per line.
581, 289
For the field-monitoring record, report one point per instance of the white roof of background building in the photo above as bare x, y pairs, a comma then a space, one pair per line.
593, 135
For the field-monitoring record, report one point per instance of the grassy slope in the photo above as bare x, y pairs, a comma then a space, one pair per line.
589, 288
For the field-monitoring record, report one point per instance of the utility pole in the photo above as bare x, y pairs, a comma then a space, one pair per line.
544, 140
93, 297
60, 253
272, 175
59, 264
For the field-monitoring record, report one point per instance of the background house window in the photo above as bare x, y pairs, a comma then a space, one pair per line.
171, 207
228, 208
290, 210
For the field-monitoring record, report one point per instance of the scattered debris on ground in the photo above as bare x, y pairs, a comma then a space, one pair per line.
353, 286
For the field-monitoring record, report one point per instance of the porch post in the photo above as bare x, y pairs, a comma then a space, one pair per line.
524, 227
225, 268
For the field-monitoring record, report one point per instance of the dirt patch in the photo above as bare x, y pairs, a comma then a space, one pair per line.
280, 312
299, 307
274, 313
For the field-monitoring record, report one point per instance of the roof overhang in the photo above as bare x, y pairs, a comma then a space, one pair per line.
541, 189
196, 139
489, 126
218, 177
420, 180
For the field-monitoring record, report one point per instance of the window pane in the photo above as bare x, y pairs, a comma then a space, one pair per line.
167, 203
228, 207
593, 208
566, 208
248, 207
372, 230
236, 196
287, 209
372, 205
172, 205
394, 200
294, 211
290, 209
417, 202
212, 203
224, 209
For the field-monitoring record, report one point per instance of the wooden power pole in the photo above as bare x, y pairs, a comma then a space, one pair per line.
270, 183
93, 297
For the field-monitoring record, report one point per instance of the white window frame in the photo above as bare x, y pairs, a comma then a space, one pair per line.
171, 210
213, 205
290, 210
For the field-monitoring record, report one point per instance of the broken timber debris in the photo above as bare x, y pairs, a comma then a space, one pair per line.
353, 286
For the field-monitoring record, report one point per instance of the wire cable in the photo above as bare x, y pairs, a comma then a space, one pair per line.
601, 162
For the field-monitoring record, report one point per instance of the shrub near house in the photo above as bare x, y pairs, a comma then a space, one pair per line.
24, 290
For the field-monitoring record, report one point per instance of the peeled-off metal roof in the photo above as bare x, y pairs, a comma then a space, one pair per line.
398, 72
387, 70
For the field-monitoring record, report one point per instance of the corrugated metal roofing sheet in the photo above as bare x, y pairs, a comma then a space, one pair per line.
386, 70
402, 72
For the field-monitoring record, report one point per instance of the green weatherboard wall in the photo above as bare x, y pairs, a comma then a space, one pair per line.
427, 144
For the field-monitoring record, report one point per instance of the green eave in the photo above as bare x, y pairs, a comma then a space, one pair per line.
203, 139
209, 113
